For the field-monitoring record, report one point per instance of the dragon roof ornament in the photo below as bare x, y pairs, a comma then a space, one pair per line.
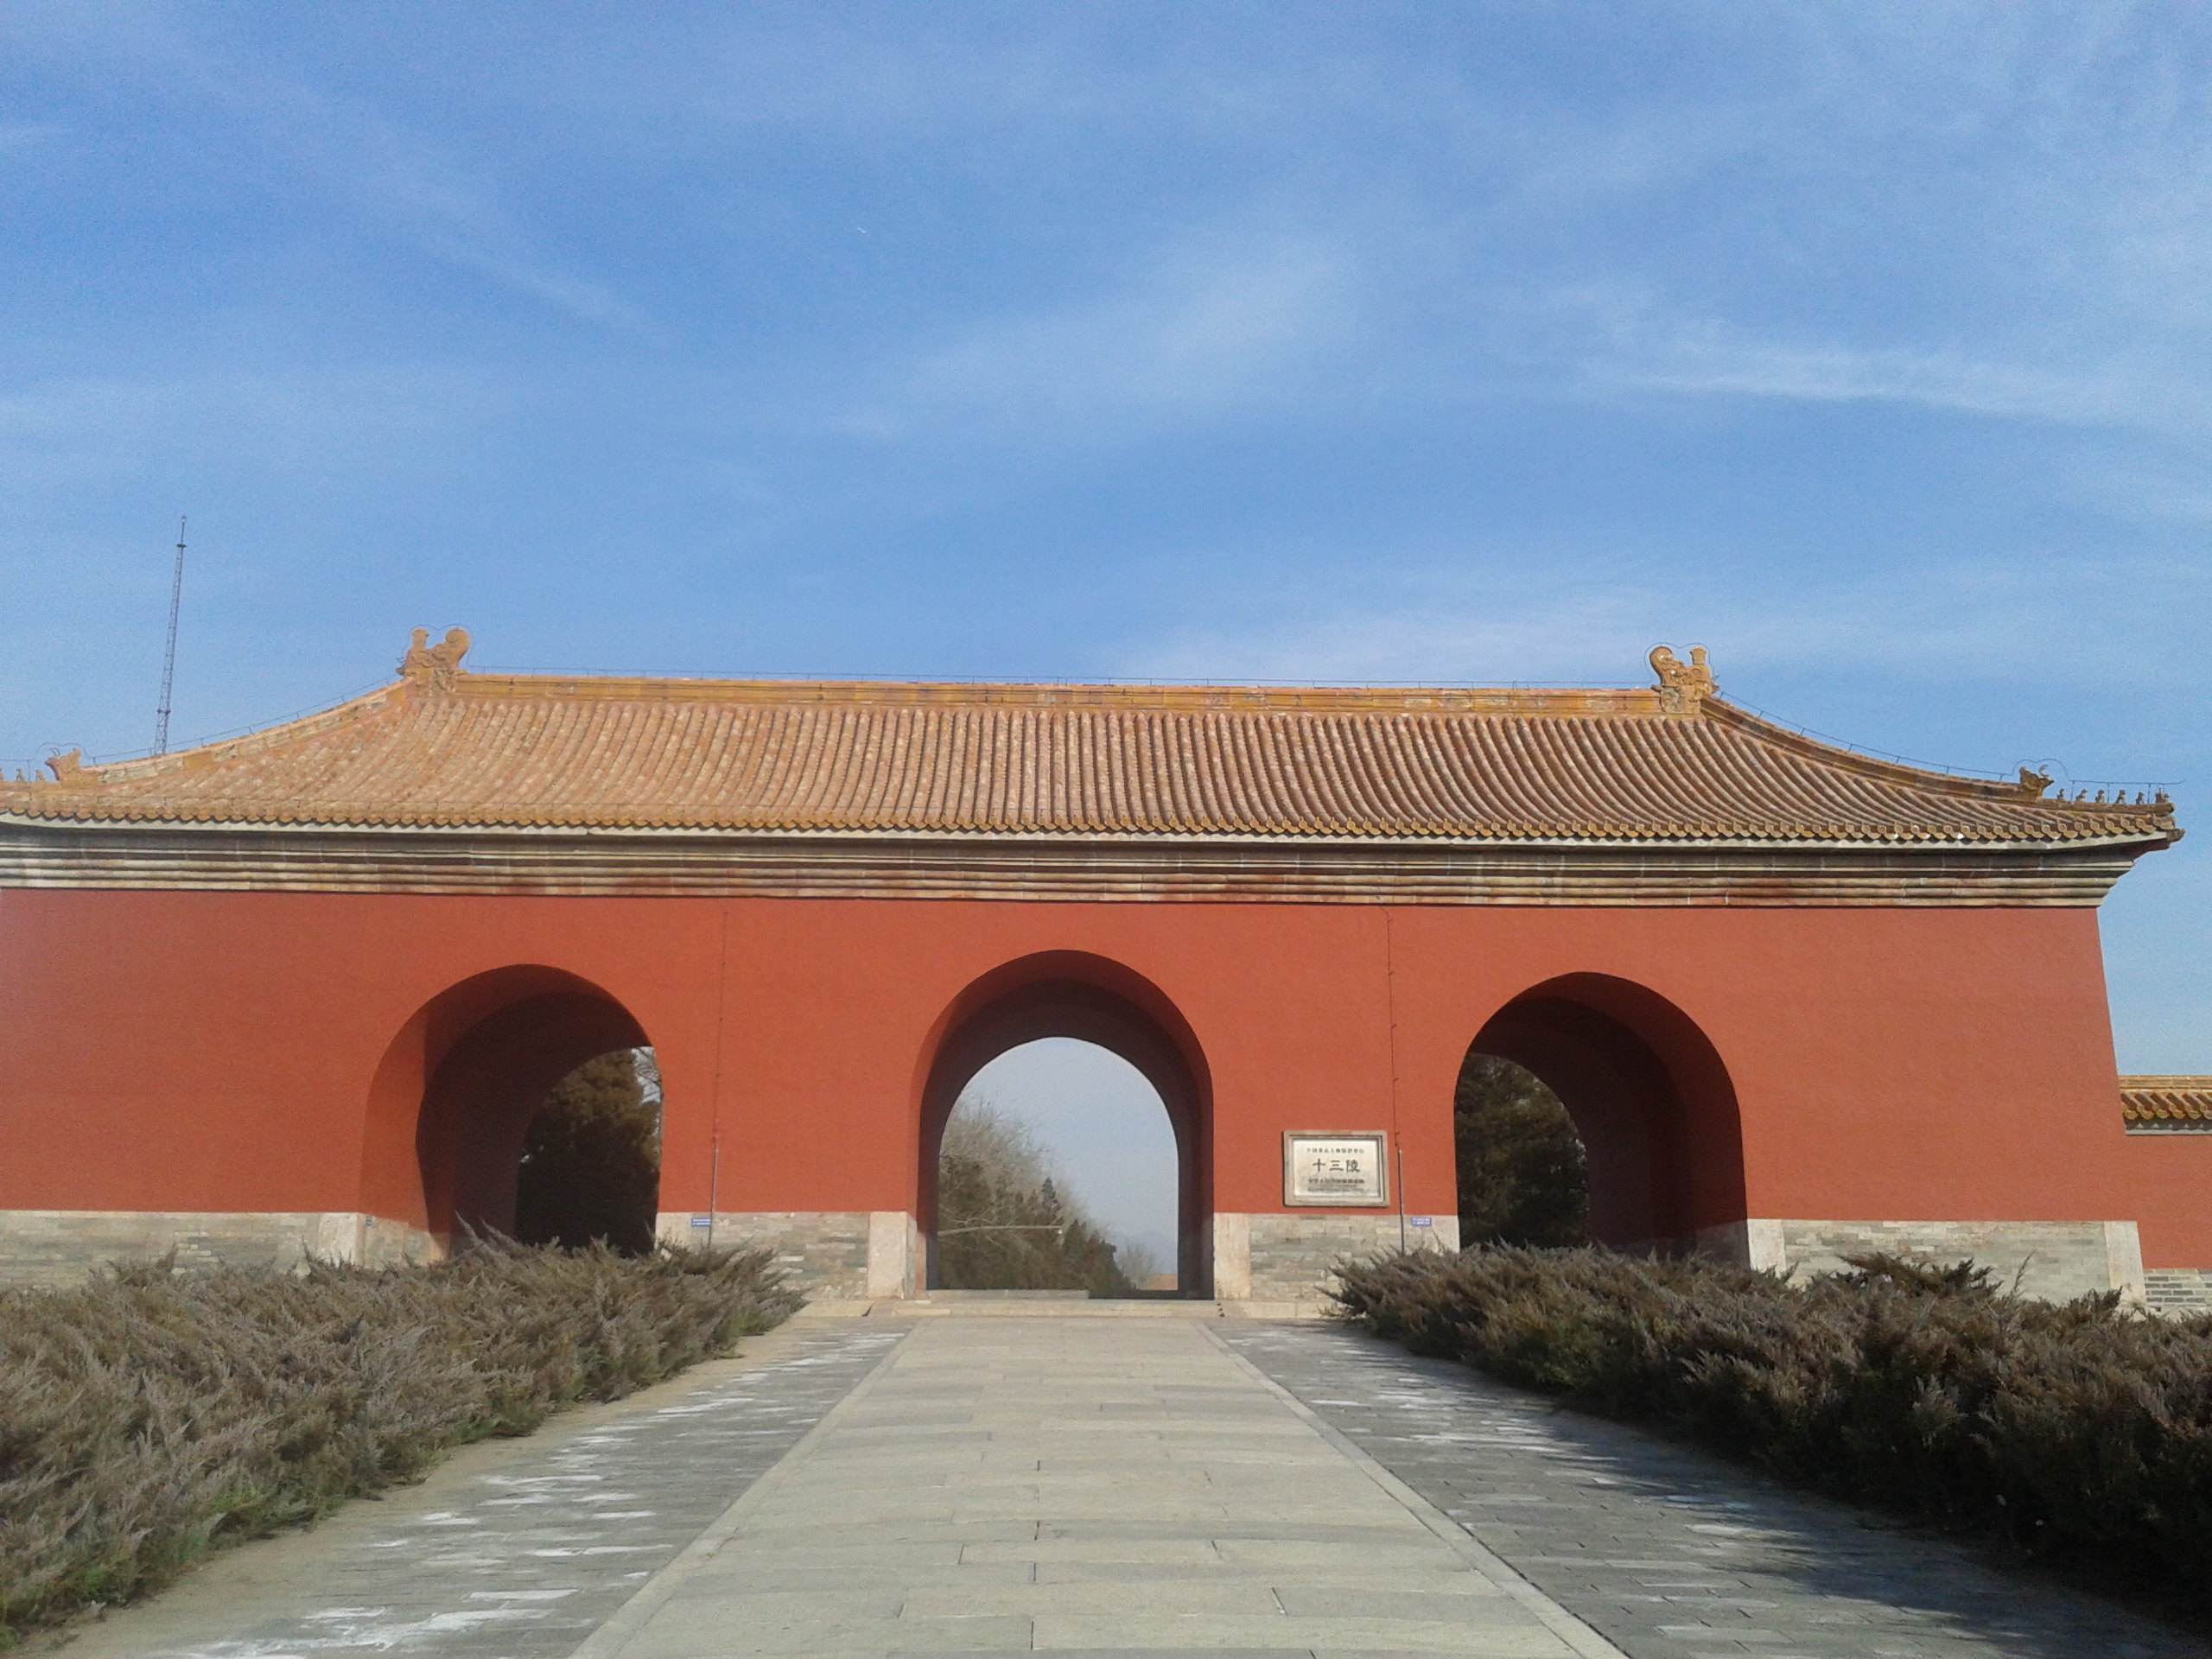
1683, 686
434, 666
69, 769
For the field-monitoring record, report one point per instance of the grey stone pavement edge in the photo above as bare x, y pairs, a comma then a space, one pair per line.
1669, 1551
886, 1485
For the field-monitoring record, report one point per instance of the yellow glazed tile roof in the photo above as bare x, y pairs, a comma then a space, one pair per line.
445, 747
2167, 1102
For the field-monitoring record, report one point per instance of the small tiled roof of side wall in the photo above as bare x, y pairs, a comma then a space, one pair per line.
2167, 1102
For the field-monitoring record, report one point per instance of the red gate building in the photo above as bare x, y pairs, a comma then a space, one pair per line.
301, 991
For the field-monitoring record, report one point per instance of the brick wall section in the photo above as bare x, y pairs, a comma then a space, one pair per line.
59, 1246
824, 1251
2054, 1260
2179, 1290
1291, 1254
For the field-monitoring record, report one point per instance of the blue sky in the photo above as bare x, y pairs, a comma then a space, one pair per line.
1868, 346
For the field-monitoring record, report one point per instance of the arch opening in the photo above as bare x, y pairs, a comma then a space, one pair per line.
1058, 1171
1057, 1001
455, 1101
1591, 1109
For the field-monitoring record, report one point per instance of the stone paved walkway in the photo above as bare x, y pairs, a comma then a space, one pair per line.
517, 1549
888, 1485
1086, 1486
1671, 1552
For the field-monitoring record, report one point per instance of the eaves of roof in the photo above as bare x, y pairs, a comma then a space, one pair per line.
2166, 1102
1673, 765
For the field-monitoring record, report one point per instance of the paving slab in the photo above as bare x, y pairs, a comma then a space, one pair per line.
1515, 1635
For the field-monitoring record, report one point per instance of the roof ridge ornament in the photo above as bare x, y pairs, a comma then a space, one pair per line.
2033, 782
70, 771
434, 666
1683, 686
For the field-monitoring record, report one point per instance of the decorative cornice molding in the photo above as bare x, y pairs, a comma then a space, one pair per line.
997, 869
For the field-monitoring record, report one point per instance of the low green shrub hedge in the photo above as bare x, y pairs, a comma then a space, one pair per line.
2081, 1432
151, 1416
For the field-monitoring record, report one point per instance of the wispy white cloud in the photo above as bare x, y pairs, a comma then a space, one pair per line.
1624, 342
366, 161
68, 434
27, 135
2008, 623
1200, 330
581, 298
2144, 485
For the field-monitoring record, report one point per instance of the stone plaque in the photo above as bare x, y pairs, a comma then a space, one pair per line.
1334, 1169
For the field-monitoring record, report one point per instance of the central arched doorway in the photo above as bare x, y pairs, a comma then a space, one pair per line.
1089, 1000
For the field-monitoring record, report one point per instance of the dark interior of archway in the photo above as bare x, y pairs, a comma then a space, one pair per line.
1523, 1176
492, 1083
1623, 1109
1058, 1171
589, 1171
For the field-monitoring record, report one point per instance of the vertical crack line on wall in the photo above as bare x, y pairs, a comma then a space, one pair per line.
714, 1100
1390, 1009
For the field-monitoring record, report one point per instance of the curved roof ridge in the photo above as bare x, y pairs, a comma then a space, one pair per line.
72, 767
2030, 787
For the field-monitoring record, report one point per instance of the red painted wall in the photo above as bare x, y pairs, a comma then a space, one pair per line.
220, 1052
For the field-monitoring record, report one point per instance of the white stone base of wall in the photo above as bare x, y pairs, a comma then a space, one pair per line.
830, 1255
2178, 1290
1285, 1257
845, 1254
2054, 1261
58, 1247
894, 1254
1755, 1243
1268, 1257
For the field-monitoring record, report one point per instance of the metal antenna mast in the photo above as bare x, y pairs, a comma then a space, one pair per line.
169, 658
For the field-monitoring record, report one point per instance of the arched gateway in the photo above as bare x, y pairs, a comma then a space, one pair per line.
297, 991
1072, 993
